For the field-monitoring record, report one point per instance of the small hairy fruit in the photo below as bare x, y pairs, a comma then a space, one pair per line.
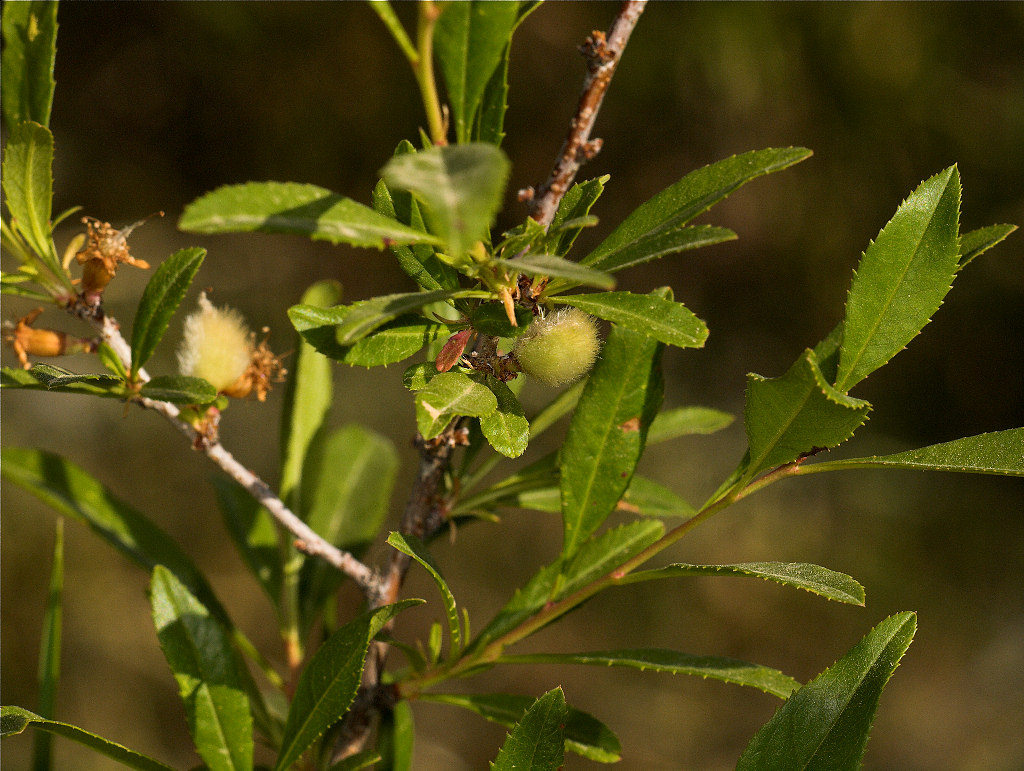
216, 345
559, 348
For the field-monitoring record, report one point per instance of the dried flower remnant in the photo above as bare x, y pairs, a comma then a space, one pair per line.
28, 341
105, 249
218, 346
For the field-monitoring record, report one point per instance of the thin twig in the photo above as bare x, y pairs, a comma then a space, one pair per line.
603, 53
306, 539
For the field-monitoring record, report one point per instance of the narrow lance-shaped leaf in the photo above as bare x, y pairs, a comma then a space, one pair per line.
659, 660
902, 278
557, 267
14, 720
75, 493
413, 547
26, 71
656, 316
656, 227
330, 681
575, 204
537, 742
461, 187
998, 452
203, 662
584, 734
979, 241
812, 578
161, 297
368, 315
608, 431
46, 377
179, 389
28, 184
824, 726
299, 209
48, 673
685, 421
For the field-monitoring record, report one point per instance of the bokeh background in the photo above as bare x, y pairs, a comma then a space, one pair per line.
159, 102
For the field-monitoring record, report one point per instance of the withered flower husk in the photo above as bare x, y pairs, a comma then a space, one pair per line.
28, 341
105, 249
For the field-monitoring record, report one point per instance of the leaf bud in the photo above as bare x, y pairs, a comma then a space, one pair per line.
560, 348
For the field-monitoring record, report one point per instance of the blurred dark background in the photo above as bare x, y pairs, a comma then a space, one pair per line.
157, 103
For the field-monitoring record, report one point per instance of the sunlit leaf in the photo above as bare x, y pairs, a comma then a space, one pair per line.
537, 741
26, 70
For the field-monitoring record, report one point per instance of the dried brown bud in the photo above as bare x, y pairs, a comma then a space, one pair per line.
106, 248
27, 341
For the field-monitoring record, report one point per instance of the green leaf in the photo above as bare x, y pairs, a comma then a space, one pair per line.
254, 534
449, 394
46, 377
49, 652
11, 284
413, 547
14, 720
608, 431
200, 655
650, 499
902, 278
461, 188
791, 416
659, 660
558, 408
346, 488
28, 185
979, 241
391, 342
506, 429
812, 578
537, 742
557, 267
574, 206
470, 40
656, 227
825, 724
330, 681
657, 317
685, 421
364, 317
584, 734
74, 493
553, 582
290, 207
162, 296
307, 398
179, 389
489, 124
998, 452
395, 738
26, 71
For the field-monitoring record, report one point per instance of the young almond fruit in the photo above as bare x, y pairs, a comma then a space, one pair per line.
560, 348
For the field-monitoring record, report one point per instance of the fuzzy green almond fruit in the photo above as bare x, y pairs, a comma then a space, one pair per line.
560, 348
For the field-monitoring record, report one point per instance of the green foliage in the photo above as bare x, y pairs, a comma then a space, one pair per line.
537, 742
26, 72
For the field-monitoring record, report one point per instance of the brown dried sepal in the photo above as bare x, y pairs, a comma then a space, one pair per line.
264, 368
105, 249
27, 341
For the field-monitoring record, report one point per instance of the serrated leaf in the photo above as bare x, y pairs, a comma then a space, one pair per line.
330, 680
299, 209
50, 378
200, 655
391, 342
254, 534
364, 317
179, 389
902, 278
608, 431
26, 72
307, 397
979, 241
48, 673
798, 413
14, 720
553, 582
812, 578
470, 40
674, 662
575, 204
506, 429
460, 186
998, 452
655, 228
76, 494
537, 741
28, 185
686, 421
161, 297
557, 267
825, 724
657, 317
413, 547
449, 394
584, 734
